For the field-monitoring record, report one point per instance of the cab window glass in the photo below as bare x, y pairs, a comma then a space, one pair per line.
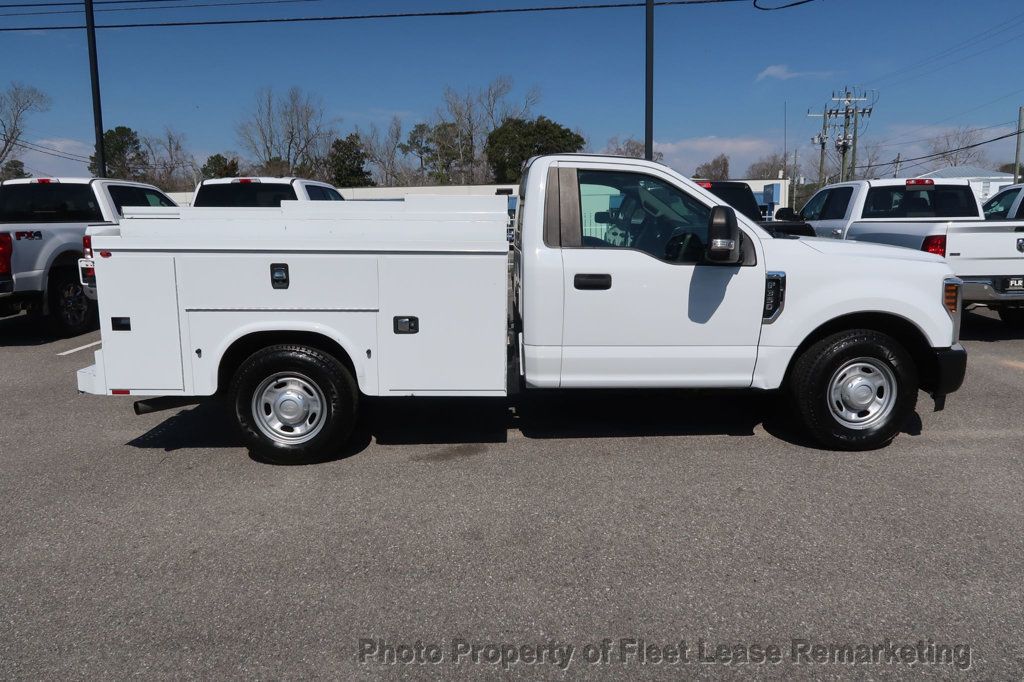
634, 211
920, 201
998, 207
838, 201
813, 208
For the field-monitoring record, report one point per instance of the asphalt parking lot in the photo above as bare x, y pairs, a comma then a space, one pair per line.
155, 546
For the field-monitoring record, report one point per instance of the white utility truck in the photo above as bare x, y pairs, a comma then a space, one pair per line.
626, 275
941, 217
42, 222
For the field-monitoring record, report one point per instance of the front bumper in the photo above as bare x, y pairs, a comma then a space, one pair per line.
950, 369
986, 290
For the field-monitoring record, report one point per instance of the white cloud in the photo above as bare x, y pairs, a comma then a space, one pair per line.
51, 162
782, 72
686, 154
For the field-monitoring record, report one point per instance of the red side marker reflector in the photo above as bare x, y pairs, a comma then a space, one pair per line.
104, 254
120, 391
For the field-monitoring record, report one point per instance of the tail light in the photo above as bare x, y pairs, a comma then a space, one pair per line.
87, 246
6, 250
919, 182
953, 303
935, 244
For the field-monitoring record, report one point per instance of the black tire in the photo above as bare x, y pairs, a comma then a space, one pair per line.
70, 313
864, 356
1012, 317
309, 374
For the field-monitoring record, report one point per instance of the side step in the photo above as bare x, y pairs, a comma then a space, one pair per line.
165, 403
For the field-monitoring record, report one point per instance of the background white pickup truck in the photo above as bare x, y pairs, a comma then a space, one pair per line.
1008, 204
941, 217
44, 220
625, 275
261, 192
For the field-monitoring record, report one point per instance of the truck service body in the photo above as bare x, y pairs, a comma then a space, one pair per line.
938, 216
625, 275
44, 220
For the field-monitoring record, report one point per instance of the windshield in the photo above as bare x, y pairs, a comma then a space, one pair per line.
998, 207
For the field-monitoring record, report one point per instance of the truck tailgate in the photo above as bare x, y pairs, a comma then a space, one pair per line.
986, 248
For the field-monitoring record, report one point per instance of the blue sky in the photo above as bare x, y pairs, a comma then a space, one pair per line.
723, 72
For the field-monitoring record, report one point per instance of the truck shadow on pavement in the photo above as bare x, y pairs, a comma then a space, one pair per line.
985, 326
23, 330
468, 425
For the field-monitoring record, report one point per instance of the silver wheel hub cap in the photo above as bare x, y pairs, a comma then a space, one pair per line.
289, 408
862, 393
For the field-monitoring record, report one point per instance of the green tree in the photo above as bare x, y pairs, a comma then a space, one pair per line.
126, 159
512, 143
13, 170
346, 163
420, 145
220, 166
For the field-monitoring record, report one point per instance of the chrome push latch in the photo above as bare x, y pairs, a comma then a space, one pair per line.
407, 325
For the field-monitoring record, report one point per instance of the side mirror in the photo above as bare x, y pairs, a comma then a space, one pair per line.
723, 236
604, 217
787, 214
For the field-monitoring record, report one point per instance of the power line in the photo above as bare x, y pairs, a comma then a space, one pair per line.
153, 8
928, 139
929, 157
394, 15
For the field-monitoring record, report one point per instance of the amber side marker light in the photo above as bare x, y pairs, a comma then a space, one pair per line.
951, 297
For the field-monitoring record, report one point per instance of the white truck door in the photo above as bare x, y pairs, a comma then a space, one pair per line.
828, 212
641, 308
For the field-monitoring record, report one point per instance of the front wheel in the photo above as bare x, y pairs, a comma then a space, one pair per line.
854, 390
294, 404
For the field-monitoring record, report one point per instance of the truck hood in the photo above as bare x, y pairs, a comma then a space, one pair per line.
842, 247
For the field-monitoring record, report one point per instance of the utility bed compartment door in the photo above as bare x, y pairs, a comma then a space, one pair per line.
986, 249
458, 343
138, 304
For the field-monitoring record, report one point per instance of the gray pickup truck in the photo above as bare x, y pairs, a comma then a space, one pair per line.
42, 223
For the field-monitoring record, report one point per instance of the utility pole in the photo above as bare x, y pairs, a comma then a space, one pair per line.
821, 140
851, 112
649, 109
97, 107
1016, 158
897, 164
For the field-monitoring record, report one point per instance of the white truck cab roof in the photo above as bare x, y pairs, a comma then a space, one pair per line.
71, 181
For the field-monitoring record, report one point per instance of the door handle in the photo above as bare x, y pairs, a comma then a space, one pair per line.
592, 282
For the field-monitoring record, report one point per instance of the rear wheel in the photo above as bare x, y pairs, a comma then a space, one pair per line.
1012, 317
854, 390
294, 404
70, 312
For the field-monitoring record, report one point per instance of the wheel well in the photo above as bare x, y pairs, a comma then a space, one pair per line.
242, 348
901, 329
66, 259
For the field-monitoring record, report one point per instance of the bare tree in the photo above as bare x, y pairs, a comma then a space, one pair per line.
289, 132
767, 167
871, 168
715, 169
630, 147
170, 166
468, 117
951, 148
16, 103
384, 152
